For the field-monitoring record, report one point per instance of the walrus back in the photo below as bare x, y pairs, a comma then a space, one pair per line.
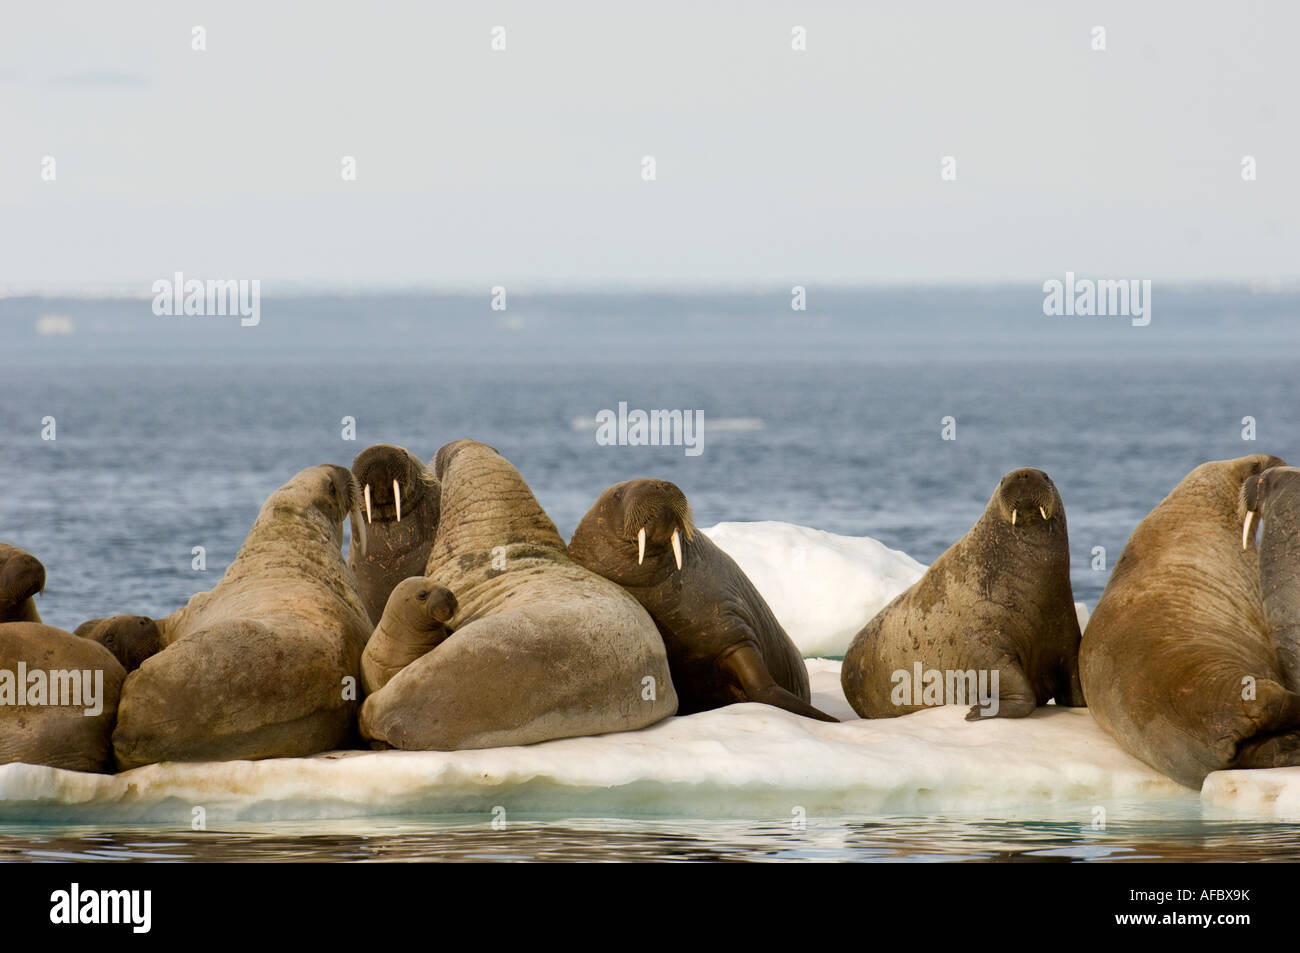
239, 689
542, 660
60, 736
1176, 661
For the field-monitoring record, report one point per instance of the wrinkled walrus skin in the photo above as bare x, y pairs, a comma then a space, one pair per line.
400, 498
999, 599
257, 667
724, 644
61, 736
21, 577
541, 648
1177, 661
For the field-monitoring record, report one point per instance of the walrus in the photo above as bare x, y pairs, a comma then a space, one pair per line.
21, 577
402, 503
540, 648
266, 663
131, 638
1177, 662
997, 603
58, 698
1274, 497
724, 644
414, 622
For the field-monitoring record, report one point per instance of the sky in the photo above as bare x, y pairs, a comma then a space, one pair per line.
523, 167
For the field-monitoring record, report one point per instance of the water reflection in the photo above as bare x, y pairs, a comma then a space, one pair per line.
1132, 833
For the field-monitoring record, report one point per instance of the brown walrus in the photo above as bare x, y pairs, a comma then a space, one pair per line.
401, 497
21, 577
541, 648
414, 623
996, 604
1274, 497
266, 663
1177, 660
58, 698
724, 644
131, 638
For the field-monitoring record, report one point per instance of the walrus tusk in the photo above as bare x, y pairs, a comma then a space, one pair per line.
1245, 530
367, 502
1013, 517
1043, 511
677, 548
397, 495
640, 545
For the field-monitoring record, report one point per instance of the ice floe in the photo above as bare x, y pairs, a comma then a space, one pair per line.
740, 761
823, 588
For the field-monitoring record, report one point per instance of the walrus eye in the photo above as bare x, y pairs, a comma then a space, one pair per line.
333, 490
422, 595
110, 639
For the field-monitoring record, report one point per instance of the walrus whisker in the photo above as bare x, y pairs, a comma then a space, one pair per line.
640, 546
367, 502
397, 496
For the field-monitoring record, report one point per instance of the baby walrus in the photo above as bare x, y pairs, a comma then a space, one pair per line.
998, 604
724, 644
131, 638
414, 623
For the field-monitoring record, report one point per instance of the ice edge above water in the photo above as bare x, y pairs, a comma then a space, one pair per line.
740, 761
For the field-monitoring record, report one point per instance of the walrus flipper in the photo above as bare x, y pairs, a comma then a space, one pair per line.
1016, 696
745, 664
1276, 741
1269, 751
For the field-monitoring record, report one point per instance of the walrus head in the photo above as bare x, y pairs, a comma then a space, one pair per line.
644, 517
21, 577
421, 604
329, 491
1271, 493
442, 459
393, 481
1028, 496
131, 638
